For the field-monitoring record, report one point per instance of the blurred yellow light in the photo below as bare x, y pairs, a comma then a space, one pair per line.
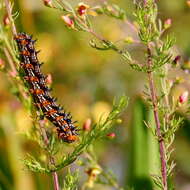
46, 44
100, 110
23, 120
188, 2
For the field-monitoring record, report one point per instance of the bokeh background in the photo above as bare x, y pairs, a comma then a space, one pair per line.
86, 81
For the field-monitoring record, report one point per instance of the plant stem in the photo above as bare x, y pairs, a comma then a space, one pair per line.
55, 180
131, 26
13, 69
157, 121
52, 161
10, 61
9, 12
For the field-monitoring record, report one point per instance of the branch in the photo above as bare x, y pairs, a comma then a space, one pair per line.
157, 121
10, 61
52, 160
9, 12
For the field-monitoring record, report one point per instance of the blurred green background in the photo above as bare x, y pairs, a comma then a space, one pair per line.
86, 81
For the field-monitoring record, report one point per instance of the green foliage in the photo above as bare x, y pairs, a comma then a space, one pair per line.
114, 11
98, 132
162, 53
34, 165
159, 56
107, 45
146, 15
71, 181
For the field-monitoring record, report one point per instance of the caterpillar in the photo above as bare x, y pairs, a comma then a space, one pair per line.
41, 92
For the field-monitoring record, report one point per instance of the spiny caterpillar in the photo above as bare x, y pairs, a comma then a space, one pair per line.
40, 91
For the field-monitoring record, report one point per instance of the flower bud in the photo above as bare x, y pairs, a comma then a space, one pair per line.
82, 8
145, 2
49, 79
13, 74
87, 125
68, 21
129, 40
111, 135
167, 23
2, 64
93, 171
6, 20
176, 60
48, 3
92, 175
183, 97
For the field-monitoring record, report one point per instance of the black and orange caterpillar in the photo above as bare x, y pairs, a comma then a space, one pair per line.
39, 90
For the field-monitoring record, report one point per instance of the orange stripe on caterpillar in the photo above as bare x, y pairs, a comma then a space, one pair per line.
31, 78
45, 103
20, 37
52, 111
36, 91
27, 66
25, 52
69, 138
63, 122
58, 118
24, 42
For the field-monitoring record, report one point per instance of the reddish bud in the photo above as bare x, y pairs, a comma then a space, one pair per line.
13, 74
145, 2
42, 121
167, 23
177, 59
49, 79
93, 172
92, 175
15, 105
82, 8
6, 20
68, 21
87, 125
2, 64
183, 97
48, 3
111, 135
